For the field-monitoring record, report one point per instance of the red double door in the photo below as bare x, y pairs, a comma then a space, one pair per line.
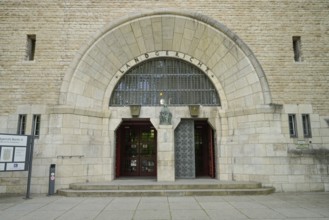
136, 149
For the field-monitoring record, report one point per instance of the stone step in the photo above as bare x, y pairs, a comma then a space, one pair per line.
163, 192
166, 186
199, 187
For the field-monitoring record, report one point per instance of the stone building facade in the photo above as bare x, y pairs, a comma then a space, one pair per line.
62, 61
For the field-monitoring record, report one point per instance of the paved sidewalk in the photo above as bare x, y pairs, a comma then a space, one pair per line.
309, 206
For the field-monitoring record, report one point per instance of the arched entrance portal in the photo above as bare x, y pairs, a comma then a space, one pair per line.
136, 149
93, 79
194, 149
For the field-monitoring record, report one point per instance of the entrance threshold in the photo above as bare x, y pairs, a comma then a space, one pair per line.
181, 181
180, 187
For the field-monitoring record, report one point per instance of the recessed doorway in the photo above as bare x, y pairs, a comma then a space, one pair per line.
194, 149
136, 149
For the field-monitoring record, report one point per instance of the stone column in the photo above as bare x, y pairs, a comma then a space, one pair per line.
166, 153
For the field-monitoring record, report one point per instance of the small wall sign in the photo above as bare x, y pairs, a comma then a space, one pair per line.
14, 152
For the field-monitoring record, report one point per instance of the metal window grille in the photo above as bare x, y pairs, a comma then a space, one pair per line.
292, 125
174, 80
306, 126
21, 128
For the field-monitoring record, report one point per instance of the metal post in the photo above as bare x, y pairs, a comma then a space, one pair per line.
51, 187
30, 167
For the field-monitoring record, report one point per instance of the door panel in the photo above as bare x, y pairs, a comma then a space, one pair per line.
211, 153
147, 152
118, 154
184, 150
194, 149
138, 150
200, 149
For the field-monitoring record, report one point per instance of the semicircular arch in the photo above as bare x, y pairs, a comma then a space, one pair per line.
94, 71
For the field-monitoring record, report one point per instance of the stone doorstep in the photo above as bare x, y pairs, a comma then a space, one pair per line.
195, 187
191, 192
162, 186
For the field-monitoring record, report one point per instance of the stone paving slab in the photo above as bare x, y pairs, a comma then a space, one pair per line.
310, 206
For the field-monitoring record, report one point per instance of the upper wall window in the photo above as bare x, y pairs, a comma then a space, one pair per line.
297, 46
30, 47
173, 80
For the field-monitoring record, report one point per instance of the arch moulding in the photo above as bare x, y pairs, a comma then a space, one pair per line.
234, 69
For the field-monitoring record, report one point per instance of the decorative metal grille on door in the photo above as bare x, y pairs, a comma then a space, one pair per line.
184, 150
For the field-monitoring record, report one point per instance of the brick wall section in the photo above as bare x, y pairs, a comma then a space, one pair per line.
63, 27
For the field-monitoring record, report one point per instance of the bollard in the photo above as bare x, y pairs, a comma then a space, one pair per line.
51, 188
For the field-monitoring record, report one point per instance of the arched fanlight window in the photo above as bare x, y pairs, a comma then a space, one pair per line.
174, 80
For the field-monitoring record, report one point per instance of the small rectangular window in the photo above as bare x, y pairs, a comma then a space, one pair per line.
292, 125
36, 125
297, 46
21, 124
30, 47
306, 125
